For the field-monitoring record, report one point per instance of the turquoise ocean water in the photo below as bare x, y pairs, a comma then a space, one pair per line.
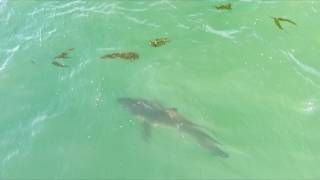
254, 87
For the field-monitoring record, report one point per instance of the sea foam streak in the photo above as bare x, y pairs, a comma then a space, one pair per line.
304, 67
10, 53
223, 33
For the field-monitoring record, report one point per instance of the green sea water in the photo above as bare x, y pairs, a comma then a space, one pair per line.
254, 87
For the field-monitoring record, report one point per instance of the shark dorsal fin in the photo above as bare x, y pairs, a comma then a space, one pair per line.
172, 109
172, 112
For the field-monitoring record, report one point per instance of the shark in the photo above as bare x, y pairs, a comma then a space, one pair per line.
154, 114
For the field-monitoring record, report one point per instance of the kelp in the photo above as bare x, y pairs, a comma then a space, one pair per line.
159, 42
278, 20
64, 54
131, 56
61, 56
224, 7
58, 64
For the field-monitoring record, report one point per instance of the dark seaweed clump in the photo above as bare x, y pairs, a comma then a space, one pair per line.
158, 42
278, 20
131, 56
224, 6
58, 64
63, 55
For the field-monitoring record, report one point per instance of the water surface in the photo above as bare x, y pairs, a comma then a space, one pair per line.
254, 87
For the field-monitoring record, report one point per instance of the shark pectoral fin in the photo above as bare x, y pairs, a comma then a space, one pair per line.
146, 131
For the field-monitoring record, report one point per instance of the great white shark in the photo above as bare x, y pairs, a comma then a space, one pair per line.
155, 114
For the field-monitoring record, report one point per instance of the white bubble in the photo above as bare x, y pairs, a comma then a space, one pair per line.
310, 106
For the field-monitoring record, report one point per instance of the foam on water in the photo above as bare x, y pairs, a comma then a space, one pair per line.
304, 67
84, 10
36, 122
229, 34
9, 55
163, 3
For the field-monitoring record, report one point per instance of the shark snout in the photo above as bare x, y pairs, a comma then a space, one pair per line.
125, 102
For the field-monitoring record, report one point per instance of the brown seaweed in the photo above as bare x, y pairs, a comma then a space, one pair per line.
278, 20
158, 42
224, 6
56, 63
131, 56
64, 54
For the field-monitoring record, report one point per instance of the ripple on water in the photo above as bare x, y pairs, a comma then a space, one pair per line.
19, 139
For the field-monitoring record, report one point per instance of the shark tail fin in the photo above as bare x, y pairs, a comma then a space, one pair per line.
218, 152
205, 141
212, 145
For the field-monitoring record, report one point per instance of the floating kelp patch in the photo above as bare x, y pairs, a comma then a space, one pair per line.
131, 56
224, 7
58, 64
278, 20
61, 56
64, 54
158, 42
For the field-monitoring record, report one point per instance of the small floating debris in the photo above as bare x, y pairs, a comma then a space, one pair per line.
64, 54
224, 7
159, 42
56, 63
278, 20
61, 56
131, 56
